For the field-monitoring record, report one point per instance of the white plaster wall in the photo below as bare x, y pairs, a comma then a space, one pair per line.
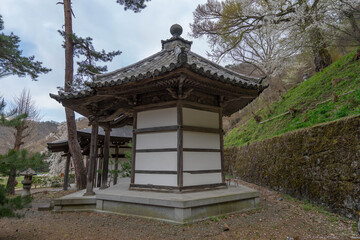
201, 140
156, 179
201, 179
200, 118
156, 140
157, 118
156, 161
201, 161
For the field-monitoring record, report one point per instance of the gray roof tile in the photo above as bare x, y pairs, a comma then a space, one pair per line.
163, 62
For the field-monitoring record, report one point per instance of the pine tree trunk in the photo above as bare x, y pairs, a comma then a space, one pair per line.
74, 146
10, 185
11, 182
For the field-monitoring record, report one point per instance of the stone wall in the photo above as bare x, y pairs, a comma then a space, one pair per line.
320, 164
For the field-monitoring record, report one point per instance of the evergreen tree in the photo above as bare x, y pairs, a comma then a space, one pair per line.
70, 52
88, 58
11, 60
14, 160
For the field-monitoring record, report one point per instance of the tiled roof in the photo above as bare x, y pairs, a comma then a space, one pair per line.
73, 94
175, 53
166, 61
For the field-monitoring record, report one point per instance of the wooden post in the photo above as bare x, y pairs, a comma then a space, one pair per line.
179, 146
105, 171
66, 175
100, 167
133, 148
116, 162
93, 156
221, 146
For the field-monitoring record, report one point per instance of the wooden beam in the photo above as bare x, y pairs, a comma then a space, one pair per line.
157, 129
203, 171
176, 172
156, 150
175, 128
92, 160
155, 172
193, 188
201, 150
175, 149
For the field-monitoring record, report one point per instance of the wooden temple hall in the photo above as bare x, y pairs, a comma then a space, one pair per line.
175, 101
119, 139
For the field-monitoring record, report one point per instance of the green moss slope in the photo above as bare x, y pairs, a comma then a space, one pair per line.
341, 77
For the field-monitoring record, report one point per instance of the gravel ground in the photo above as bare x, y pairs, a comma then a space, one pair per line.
279, 217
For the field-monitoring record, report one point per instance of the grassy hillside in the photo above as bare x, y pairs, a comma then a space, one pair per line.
308, 99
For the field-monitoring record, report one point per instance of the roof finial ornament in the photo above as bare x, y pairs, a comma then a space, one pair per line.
176, 30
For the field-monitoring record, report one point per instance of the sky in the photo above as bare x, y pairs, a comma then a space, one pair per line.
137, 35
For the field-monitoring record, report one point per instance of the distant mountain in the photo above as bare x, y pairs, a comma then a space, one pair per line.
39, 130
41, 133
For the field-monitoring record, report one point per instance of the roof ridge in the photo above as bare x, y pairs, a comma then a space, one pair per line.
226, 69
130, 66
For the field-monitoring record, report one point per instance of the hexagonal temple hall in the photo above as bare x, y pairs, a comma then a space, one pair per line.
175, 100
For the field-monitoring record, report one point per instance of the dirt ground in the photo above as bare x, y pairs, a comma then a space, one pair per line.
279, 217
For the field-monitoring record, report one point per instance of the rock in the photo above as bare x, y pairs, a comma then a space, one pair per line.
226, 227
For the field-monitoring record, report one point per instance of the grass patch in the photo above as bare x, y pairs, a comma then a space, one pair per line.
19, 179
309, 100
310, 207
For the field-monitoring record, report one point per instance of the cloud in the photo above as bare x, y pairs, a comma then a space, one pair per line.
137, 35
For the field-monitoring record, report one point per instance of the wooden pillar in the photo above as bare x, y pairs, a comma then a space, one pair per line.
100, 167
66, 175
116, 162
96, 165
133, 148
179, 146
105, 170
221, 146
92, 160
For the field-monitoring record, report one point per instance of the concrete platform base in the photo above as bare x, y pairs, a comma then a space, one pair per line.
171, 207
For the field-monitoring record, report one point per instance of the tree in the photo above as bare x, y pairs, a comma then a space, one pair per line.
8, 206
70, 44
345, 21
17, 160
8, 119
11, 60
267, 30
88, 58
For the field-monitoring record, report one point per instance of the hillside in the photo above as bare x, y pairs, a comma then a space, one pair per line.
41, 134
39, 130
329, 95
